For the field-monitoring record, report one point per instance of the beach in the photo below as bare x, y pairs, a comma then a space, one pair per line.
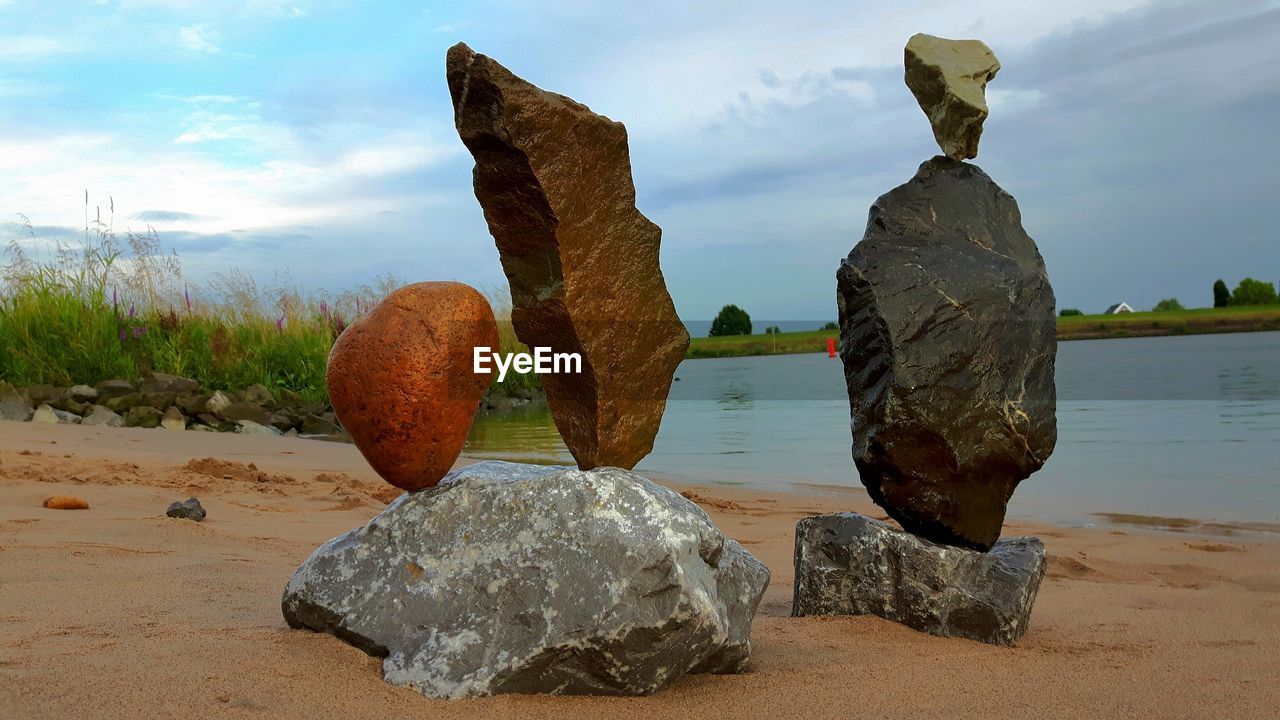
120, 612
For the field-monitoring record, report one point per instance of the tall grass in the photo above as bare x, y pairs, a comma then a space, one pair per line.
118, 306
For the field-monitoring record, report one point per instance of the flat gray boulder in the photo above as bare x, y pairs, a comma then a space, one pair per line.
850, 564
511, 578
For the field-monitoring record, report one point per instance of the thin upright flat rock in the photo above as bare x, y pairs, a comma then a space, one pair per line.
554, 180
949, 79
948, 339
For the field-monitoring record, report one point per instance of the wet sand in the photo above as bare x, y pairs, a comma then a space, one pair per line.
120, 612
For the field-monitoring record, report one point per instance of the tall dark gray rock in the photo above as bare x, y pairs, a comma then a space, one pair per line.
948, 340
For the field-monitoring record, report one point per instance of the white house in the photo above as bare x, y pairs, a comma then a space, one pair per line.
1119, 308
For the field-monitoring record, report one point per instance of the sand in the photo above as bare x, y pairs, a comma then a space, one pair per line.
120, 612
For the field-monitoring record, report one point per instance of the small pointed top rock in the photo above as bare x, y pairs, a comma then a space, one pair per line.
949, 79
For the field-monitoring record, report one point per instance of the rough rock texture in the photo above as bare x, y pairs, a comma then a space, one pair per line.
849, 564
948, 341
165, 383
53, 416
82, 393
402, 379
189, 509
259, 395
38, 395
102, 416
143, 416
217, 403
531, 579
237, 410
9, 393
14, 411
108, 389
554, 180
249, 427
65, 502
173, 419
949, 79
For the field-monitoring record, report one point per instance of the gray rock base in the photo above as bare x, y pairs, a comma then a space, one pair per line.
529, 579
850, 564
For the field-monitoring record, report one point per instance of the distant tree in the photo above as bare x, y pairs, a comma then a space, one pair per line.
1168, 304
772, 330
1068, 312
831, 326
1254, 292
1221, 295
732, 320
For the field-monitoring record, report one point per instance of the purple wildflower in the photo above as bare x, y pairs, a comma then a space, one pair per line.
280, 323
122, 335
137, 331
133, 310
186, 295
115, 300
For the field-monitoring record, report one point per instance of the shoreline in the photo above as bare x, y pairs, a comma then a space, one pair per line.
1105, 327
172, 451
116, 609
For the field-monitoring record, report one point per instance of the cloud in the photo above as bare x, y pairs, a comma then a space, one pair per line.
30, 47
200, 39
165, 216
1132, 131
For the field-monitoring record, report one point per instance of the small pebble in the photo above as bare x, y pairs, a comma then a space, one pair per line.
65, 502
189, 509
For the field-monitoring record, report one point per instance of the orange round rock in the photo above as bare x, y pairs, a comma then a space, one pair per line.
65, 502
402, 379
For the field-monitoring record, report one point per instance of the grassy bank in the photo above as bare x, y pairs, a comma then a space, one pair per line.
117, 307
1256, 318
1247, 318
770, 344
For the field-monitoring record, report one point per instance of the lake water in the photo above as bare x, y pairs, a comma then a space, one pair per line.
1174, 426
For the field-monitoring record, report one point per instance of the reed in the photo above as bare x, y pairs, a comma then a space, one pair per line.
118, 305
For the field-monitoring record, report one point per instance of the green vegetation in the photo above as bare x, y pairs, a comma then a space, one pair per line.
832, 326
771, 344
1168, 304
1233, 318
732, 320
95, 313
1221, 295
1069, 312
1070, 327
1254, 292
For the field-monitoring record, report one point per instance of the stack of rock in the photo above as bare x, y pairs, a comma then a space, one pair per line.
170, 402
948, 343
501, 577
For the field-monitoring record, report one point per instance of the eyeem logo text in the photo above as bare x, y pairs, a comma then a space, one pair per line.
542, 362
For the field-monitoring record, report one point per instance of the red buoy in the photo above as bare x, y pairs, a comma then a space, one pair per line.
831, 347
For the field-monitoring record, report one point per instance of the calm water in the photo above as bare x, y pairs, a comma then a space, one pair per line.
1177, 426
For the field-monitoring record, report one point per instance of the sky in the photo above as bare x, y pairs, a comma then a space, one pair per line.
313, 140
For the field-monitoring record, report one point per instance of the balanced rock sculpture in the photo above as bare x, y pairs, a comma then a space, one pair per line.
510, 578
948, 340
554, 180
402, 380
949, 79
